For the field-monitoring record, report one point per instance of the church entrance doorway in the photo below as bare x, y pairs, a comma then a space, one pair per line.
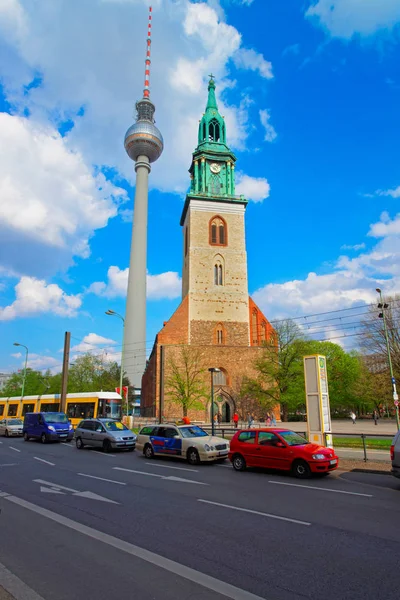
226, 413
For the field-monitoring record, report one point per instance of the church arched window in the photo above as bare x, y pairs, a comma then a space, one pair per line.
263, 332
219, 334
220, 377
204, 132
218, 232
254, 325
218, 273
214, 131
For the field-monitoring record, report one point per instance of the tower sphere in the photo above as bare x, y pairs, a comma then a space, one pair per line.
143, 138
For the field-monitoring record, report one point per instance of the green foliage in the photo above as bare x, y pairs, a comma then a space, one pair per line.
185, 382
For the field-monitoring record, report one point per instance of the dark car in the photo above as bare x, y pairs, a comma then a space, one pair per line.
47, 427
280, 449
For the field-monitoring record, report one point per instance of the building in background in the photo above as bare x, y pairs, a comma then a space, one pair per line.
4, 378
217, 322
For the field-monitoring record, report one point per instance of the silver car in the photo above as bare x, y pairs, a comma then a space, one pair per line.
11, 427
107, 434
395, 455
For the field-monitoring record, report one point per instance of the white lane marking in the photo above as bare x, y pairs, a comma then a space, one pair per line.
1, 442
154, 464
66, 444
103, 453
101, 478
206, 581
46, 490
313, 487
56, 489
3, 494
165, 477
225, 466
138, 472
255, 512
8, 465
45, 461
12, 448
15, 586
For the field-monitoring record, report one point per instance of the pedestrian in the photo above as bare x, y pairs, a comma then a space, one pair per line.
353, 417
273, 420
375, 416
267, 420
219, 418
215, 420
251, 420
235, 420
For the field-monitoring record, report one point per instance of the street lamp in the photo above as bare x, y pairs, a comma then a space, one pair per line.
382, 315
26, 362
112, 313
212, 371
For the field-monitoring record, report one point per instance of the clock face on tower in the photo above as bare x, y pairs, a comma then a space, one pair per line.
215, 168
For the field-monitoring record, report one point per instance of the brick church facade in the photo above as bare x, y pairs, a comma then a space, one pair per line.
216, 320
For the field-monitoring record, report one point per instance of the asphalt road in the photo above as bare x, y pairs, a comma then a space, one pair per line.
83, 524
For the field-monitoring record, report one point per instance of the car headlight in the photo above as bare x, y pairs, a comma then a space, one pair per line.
319, 456
71, 426
208, 448
51, 427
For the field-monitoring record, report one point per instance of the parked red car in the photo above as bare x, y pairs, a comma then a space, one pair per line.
280, 449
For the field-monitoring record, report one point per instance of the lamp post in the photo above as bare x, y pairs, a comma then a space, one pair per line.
382, 315
212, 371
112, 313
26, 362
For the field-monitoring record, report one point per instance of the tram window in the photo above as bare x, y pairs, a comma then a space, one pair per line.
12, 410
81, 410
49, 407
1, 410
28, 408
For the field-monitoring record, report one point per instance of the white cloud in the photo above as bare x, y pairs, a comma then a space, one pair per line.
270, 133
39, 362
345, 18
35, 297
247, 58
92, 341
395, 193
354, 247
352, 282
17, 354
164, 285
188, 41
252, 188
50, 202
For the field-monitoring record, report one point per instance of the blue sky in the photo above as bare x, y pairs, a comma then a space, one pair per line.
310, 91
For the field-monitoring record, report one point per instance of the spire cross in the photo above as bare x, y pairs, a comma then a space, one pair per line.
146, 91
212, 76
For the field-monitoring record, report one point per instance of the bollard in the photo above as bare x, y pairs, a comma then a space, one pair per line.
364, 446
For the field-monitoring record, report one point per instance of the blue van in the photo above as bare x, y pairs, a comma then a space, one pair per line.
47, 427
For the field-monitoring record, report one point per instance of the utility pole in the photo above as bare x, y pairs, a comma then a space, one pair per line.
64, 377
382, 315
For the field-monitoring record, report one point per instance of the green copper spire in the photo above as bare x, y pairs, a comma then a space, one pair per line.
212, 125
212, 101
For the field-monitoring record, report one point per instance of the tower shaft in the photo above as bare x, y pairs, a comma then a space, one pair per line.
135, 316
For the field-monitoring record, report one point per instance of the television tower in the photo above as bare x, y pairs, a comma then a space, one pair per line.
144, 144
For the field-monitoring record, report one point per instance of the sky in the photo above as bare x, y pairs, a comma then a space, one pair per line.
310, 91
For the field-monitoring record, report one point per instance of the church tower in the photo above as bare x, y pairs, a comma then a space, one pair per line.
217, 324
214, 273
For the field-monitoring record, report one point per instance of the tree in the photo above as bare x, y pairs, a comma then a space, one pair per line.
91, 373
185, 381
245, 401
279, 369
35, 383
373, 341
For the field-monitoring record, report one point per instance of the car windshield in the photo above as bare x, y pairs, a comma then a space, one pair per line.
14, 422
191, 432
114, 426
55, 418
293, 439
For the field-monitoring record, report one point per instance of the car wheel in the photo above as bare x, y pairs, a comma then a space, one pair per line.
106, 446
43, 438
79, 443
26, 437
238, 462
193, 457
6, 433
301, 469
148, 451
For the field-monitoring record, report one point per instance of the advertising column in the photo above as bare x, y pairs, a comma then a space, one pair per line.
317, 400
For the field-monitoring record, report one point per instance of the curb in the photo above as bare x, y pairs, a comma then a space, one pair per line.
373, 471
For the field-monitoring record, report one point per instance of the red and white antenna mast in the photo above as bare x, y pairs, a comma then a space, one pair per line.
146, 91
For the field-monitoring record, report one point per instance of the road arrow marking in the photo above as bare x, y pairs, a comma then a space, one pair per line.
93, 496
55, 489
51, 490
182, 480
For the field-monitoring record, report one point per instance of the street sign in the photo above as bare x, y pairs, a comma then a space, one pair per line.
396, 402
393, 380
395, 396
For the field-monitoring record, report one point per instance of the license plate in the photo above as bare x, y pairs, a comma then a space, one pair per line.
333, 462
62, 435
223, 453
